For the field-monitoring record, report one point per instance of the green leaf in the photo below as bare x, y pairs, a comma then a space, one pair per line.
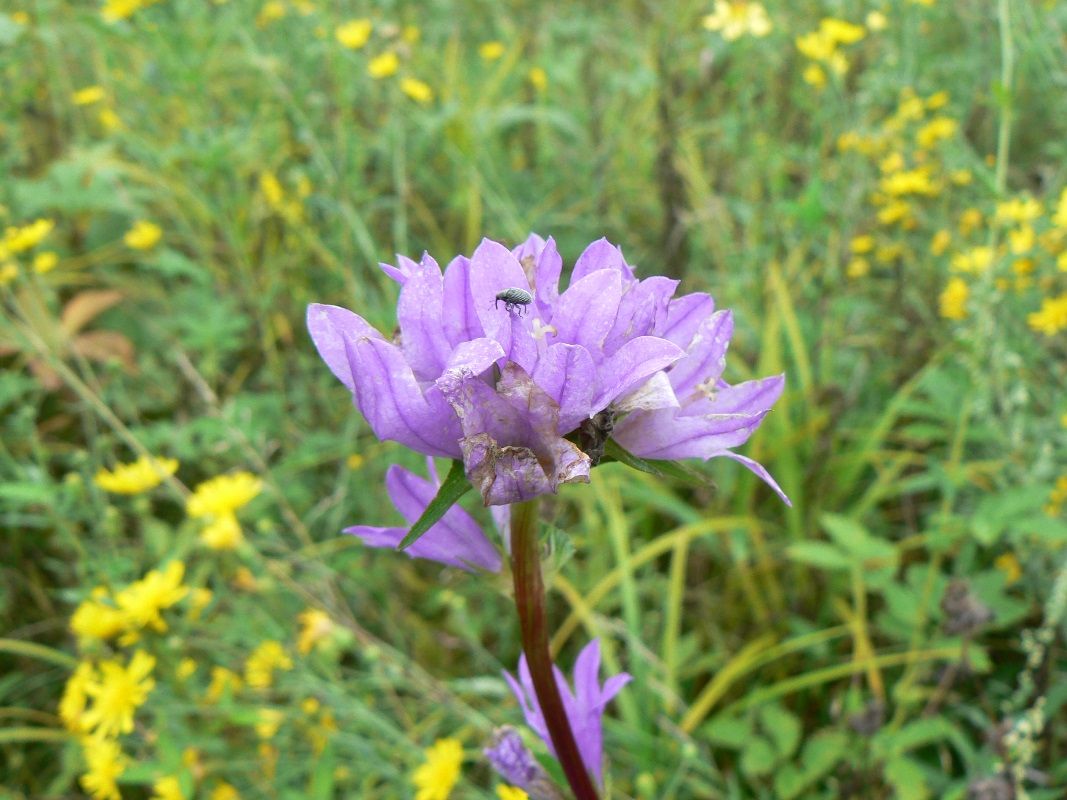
906, 776
818, 554
758, 758
455, 486
999, 512
729, 732
782, 727
850, 535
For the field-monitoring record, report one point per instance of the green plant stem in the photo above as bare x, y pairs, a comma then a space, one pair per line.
1007, 110
530, 602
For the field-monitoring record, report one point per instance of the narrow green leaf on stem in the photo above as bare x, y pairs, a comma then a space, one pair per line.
455, 486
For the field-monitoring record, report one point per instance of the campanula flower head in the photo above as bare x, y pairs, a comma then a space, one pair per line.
584, 706
527, 394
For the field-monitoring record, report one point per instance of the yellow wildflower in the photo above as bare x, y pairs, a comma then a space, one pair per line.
735, 19
1052, 318
894, 162
1022, 239
117, 693
271, 189
970, 220
186, 668
109, 119
491, 51
354, 34
143, 235
315, 626
271, 11
538, 78
1019, 209
417, 90
310, 706
977, 259
265, 659
75, 697
923, 3
270, 720
225, 791
167, 788
876, 21
143, 474
115, 10
1010, 566
20, 18
954, 299
142, 601
911, 107
222, 681
268, 753
384, 65
88, 95
815, 46
961, 177
939, 244
858, 268
935, 130
8, 272
937, 100
511, 793
838, 31
223, 533
104, 765
912, 181
224, 494
96, 619
436, 777
892, 213
862, 244
18, 239
45, 262
1059, 218
198, 600
814, 75
411, 34
354, 461
889, 253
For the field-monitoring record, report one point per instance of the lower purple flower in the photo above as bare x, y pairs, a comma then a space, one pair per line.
584, 707
456, 539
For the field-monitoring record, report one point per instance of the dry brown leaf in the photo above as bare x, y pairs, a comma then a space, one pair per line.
103, 345
84, 307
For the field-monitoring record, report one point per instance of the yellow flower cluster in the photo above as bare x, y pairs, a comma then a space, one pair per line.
114, 10
217, 500
143, 235
18, 239
1057, 498
437, 775
140, 476
355, 34
735, 18
290, 208
98, 705
315, 627
264, 661
822, 48
102, 617
906, 150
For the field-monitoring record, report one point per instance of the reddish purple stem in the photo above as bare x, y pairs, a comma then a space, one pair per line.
530, 601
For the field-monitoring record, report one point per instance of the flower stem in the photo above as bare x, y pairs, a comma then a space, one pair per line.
530, 601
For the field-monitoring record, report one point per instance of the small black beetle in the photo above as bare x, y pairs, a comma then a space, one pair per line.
514, 299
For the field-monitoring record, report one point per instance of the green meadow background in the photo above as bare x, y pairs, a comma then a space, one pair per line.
880, 206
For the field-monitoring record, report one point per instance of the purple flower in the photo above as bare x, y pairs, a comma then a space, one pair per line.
527, 397
517, 765
584, 707
456, 539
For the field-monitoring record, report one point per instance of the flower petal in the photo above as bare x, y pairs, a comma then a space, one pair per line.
656, 392
419, 310
760, 471
667, 434
567, 374
685, 315
494, 269
633, 364
643, 307
396, 406
601, 254
330, 327
586, 312
707, 355
461, 322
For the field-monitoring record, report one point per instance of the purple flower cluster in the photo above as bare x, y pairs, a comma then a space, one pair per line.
527, 396
584, 706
